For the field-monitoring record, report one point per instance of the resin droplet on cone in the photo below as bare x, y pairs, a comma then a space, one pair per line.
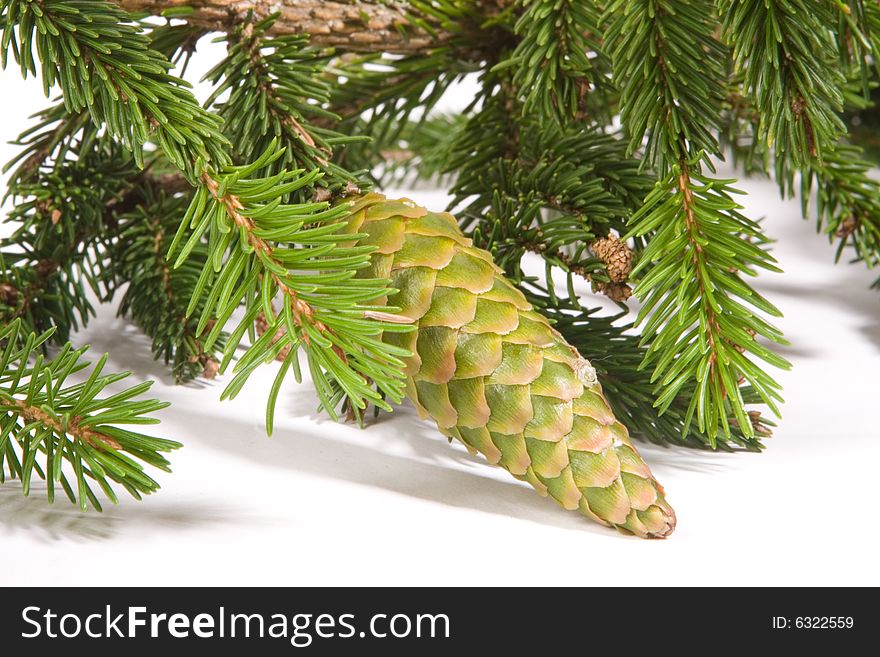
494, 374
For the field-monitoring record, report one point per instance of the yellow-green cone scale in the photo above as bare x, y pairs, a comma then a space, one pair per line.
495, 375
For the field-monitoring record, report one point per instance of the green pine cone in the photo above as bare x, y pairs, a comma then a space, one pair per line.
495, 375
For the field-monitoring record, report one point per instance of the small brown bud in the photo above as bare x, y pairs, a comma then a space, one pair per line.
616, 256
614, 291
211, 369
8, 294
322, 194
847, 227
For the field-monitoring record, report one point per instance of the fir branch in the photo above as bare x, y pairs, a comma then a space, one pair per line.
847, 202
157, 295
553, 192
276, 92
46, 423
695, 322
377, 94
552, 63
616, 353
103, 63
416, 149
128, 76
54, 137
847, 209
381, 93
669, 68
789, 63
261, 247
59, 134
56, 249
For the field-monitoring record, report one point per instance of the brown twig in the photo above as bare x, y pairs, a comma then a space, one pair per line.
303, 313
616, 289
359, 25
91, 438
693, 229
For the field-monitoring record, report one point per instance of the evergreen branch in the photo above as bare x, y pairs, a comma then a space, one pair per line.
377, 94
847, 201
58, 135
856, 27
669, 68
616, 353
738, 134
697, 331
789, 63
345, 351
261, 247
552, 63
847, 206
40, 414
56, 247
157, 295
103, 63
695, 323
389, 91
414, 149
51, 139
555, 192
276, 92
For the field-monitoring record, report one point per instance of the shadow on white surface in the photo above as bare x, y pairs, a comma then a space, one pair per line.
849, 293
430, 469
666, 459
64, 521
127, 348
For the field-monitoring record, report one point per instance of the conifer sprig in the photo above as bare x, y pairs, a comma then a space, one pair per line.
671, 70
377, 93
56, 252
261, 247
126, 85
50, 141
847, 201
276, 91
788, 57
694, 316
103, 62
66, 433
669, 67
537, 167
559, 58
158, 294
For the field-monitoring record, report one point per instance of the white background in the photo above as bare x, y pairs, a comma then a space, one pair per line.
322, 503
